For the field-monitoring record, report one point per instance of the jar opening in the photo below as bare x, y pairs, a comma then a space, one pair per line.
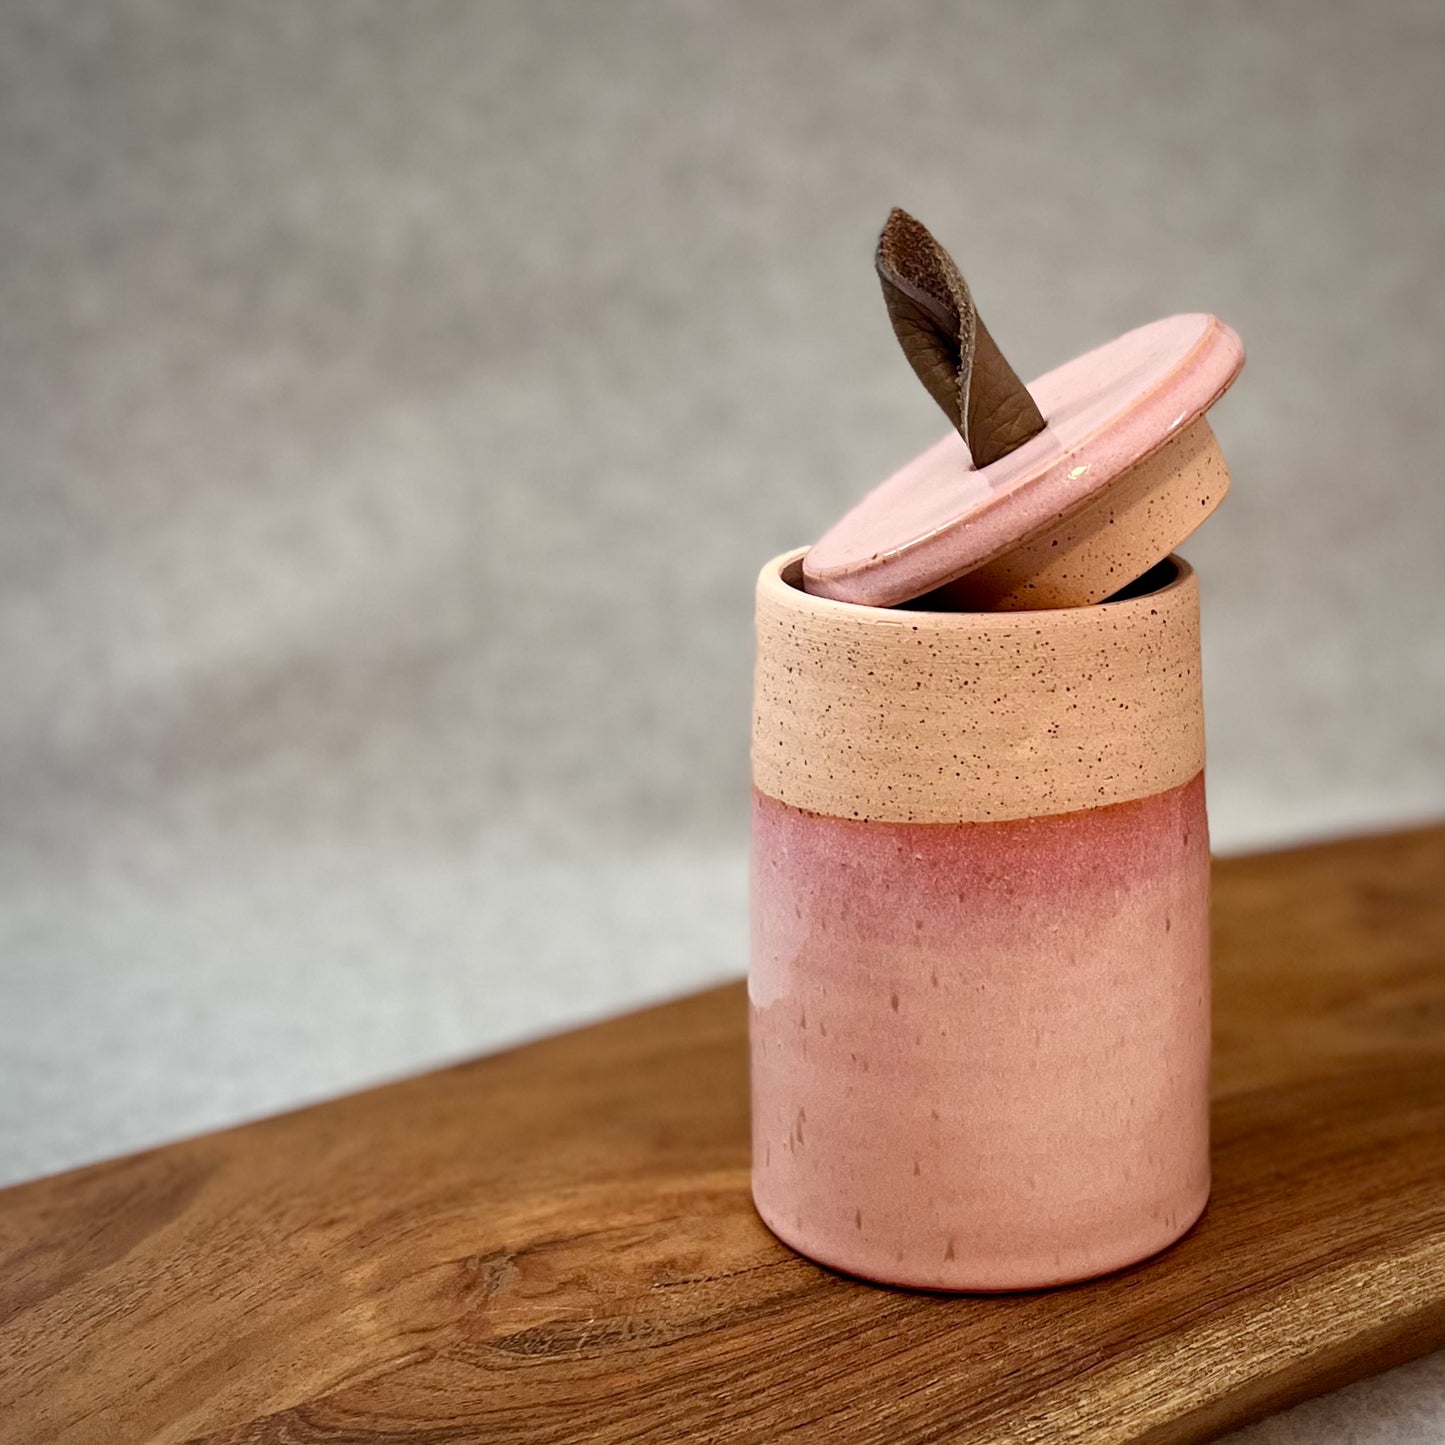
1156, 579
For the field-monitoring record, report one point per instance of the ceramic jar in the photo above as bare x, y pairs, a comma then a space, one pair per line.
980, 958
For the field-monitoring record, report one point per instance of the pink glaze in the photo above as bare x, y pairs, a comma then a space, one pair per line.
940, 517
980, 1051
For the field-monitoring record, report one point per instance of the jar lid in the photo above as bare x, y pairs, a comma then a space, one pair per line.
941, 518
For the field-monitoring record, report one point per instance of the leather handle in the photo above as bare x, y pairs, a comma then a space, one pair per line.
947, 344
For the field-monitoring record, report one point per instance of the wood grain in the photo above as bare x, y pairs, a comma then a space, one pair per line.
557, 1244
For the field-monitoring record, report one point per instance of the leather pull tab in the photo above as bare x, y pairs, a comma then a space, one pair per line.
948, 346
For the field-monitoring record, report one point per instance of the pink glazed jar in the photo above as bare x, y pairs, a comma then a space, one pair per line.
980, 953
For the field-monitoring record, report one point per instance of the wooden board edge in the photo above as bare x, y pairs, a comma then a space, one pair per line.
1343, 1362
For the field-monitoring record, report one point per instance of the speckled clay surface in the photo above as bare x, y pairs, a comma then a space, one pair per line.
1108, 411
936, 717
979, 983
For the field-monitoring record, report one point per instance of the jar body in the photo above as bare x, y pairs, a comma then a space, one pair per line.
979, 983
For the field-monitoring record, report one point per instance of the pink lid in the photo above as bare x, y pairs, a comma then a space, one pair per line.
941, 517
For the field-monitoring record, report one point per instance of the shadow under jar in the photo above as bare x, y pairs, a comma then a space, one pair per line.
979, 983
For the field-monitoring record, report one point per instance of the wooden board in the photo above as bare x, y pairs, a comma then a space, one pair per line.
556, 1243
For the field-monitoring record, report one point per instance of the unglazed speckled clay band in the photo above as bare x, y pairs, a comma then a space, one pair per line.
949, 717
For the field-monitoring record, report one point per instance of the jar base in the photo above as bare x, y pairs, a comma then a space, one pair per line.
973, 1276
